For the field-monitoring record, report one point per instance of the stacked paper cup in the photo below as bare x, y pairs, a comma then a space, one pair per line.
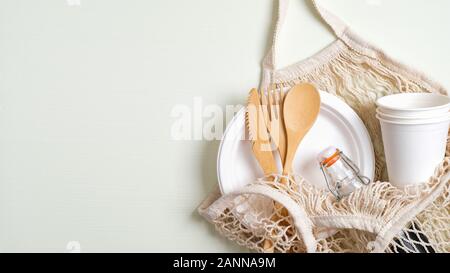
415, 128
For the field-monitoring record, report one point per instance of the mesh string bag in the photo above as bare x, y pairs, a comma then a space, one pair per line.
376, 218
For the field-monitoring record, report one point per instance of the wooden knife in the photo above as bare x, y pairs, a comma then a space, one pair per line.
259, 135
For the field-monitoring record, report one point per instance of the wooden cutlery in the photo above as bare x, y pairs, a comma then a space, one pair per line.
301, 109
288, 119
272, 104
258, 134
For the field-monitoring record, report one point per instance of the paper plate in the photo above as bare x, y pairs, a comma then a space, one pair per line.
337, 125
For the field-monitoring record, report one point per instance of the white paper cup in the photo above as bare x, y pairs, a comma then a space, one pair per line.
414, 105
399, 118
413, 149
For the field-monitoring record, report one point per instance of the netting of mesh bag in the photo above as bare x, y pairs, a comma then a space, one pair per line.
252, 219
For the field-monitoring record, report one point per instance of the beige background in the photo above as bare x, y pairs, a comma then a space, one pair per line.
86, 93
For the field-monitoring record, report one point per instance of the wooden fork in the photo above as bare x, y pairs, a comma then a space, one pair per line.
272, 105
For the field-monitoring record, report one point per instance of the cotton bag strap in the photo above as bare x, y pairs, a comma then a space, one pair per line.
269, 63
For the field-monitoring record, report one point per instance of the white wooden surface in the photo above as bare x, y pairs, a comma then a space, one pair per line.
87, 88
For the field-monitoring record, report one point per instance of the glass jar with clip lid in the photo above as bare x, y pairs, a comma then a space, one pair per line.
341, 174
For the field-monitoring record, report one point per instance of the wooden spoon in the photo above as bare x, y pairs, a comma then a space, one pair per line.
301, 108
